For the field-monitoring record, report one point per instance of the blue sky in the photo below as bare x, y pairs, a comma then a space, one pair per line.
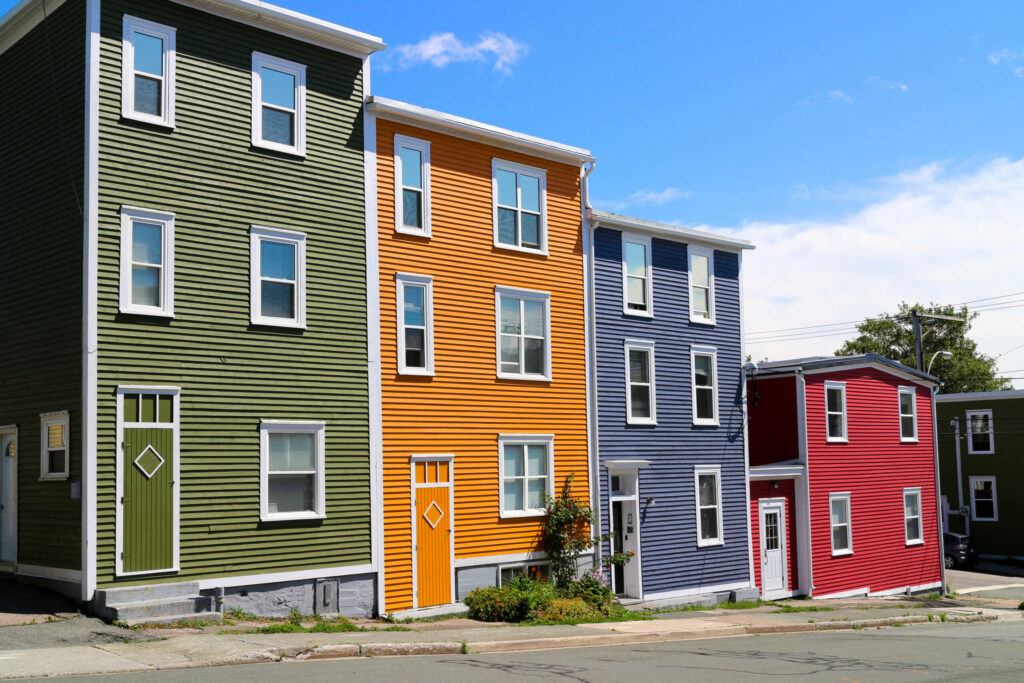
872, 150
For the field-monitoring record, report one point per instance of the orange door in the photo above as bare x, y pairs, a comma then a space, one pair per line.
433, 521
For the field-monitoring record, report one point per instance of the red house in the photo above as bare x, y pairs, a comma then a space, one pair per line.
842, 478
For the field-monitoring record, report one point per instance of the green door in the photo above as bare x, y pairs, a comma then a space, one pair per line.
148, 489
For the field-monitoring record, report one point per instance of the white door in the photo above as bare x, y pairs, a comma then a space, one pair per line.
8, 496
773, 543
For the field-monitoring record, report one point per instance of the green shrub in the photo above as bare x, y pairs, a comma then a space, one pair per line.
1021, 605
591, 588
512, 602
565, 609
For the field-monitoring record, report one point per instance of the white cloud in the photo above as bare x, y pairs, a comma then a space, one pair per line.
832, 96
1019, 72
934, 234
1004, 55
889, 85
442, 49
650, 197
839, 96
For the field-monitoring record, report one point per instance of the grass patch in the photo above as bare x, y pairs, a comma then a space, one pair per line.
743, 604
323, 626
787, 609
572, 611
391, 619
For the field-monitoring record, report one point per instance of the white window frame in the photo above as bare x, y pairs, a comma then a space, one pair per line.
525, 566
545, 297
318, 429
129, 26
257, 235
912, 391
704, 351
548, 440
166, 222
692, 251
645, 241
914, 491
991, 433
844, 497
697, 473
61, 417
423, 147
520, 169
297, 70
648, 347
841, 387
995, 500
427, 282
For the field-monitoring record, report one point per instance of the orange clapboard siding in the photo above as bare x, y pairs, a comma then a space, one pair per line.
464, 406
433, 559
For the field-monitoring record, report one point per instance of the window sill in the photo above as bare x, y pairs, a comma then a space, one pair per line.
291, 516
913, 543
54, 477
710, 543
525, 378
710, 322
841, 553
519, 514
151, 120
415, 233
415, 372
633, 313
970, 452
525, 250
902, 440
699, 422
149, 312
650, 422
278, 322
274, 147
834, 440
983, 519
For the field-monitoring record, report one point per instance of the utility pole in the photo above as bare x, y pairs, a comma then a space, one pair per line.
915, 322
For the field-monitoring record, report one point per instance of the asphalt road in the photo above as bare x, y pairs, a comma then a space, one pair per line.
990, 652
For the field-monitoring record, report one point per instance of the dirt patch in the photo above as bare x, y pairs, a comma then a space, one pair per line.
76, 630
22, 604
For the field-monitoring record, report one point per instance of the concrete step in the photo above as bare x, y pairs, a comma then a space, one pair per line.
151, 610
152, 591
176, 618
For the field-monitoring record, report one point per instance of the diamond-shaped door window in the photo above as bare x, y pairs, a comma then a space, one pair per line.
149, 461
433, 515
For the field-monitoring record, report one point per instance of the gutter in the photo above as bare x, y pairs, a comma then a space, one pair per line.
590, 336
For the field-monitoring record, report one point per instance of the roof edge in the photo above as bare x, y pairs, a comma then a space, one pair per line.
840, 362
475, 130
614, 220
980, 396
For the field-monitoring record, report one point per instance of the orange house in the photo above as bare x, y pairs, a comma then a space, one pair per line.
483, 347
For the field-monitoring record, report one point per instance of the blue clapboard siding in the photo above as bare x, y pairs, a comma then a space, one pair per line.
671, 559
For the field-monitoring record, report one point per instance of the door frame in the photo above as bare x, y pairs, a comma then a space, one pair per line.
9, 430
780, 503
631, 475
119, 475
450, 459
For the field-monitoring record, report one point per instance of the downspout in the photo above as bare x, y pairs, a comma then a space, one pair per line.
955, 422
938, 490
590, 353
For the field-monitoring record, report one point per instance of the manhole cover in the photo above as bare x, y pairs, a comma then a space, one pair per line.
433, 515
149, 461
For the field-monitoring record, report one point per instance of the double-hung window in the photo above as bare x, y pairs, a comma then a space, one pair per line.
704, 370
839, 520
54, 447
708, 483
979, 432
278, 277
147, 71
908, 413
291, 470
147, 262
412, 186
415, 324
640, 393
278, 104
526, 463
524, 333
835, 411
913, 530
637, 288
520, 220
702, 284
983, 499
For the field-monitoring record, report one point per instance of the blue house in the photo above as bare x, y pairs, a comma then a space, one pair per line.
669, 452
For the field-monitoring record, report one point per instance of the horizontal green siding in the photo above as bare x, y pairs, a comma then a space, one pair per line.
42, 91
230, 373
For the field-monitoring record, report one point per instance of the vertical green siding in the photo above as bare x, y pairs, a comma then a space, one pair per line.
148, 499
42, 97
233, 374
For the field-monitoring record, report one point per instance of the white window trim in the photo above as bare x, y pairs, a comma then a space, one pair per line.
536, 295
166, 221
844, 496
691, 251
256, 235
920, 516
648, 346
297, 70
61, 417
841, 386
522, 169
717, 472
995, 500
132, 25
523, 565
991, 433
704, 351
318, 429
427, 282
423, 147
649, 279
524, 439
913, 405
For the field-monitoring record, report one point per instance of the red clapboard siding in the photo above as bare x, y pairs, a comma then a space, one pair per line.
875, 467
763, 489
773, 427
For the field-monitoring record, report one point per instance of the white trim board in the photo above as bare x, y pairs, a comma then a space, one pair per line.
279, 577
688, 235
57, 573
513, 558
980, 396
698, 590
853, 593
904, 589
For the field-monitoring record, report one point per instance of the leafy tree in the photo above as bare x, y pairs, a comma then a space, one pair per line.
892, 336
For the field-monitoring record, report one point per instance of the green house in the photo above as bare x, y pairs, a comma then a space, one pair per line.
981, 461
184, 402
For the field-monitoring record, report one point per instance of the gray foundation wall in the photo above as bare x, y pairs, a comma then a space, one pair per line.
468, 579
350, 596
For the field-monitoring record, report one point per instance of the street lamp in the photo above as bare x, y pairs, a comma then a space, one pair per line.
946, 355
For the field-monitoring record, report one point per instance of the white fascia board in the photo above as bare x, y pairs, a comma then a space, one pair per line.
619, 222
980, 396
458, 126
22, 18
764, 472
877, 366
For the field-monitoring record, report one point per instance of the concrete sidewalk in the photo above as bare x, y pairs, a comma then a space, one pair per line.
218, 649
